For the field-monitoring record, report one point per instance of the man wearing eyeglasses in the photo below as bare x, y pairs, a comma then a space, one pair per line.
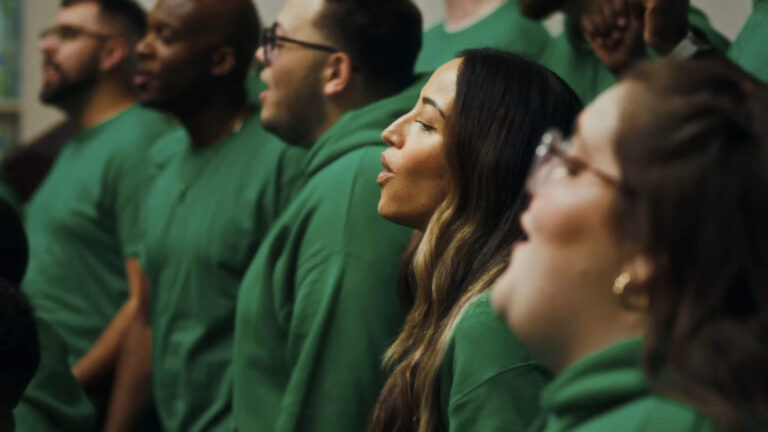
319, 304
82, 221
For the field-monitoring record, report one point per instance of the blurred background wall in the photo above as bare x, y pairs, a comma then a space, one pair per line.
728, 16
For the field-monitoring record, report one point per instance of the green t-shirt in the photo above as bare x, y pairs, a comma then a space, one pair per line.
205, 216
83, 224
749, 49
53, 400
505, 28
488, 380
319, 304
571, 57
608, 391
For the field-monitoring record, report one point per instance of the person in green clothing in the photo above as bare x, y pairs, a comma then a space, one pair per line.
456, 366
479, 24
223, 183
748, 50
642, 279
319, 305
82, 221
53, 400
664, 29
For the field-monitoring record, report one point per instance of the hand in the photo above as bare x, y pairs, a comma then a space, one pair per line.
666, 23
614, 29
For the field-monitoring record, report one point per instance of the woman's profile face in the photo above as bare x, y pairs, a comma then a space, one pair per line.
559, 282
416, 177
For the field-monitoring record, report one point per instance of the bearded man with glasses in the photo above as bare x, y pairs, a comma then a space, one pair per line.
81, 222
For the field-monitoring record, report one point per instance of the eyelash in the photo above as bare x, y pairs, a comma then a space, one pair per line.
426, 127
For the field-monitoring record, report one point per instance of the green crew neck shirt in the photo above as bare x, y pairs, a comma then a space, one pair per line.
319, 304
205, 216
83, 225
53, 401
570, 56
608, 391
505, 28
488, 380
749, 48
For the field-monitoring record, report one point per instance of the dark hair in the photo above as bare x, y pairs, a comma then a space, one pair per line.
131, 17
694, 149
503, 105
382, 38
14, 250
19, 350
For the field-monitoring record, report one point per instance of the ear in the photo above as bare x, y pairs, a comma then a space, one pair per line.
337, 74
115, 51
640, 270
223, 61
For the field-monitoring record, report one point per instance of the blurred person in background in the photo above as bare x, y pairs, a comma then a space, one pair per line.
660, 27
83, 220
53, 401
319, 303
223, 180
642, 279
479, 24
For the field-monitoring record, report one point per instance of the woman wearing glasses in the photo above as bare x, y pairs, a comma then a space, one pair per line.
644, 276
455, 171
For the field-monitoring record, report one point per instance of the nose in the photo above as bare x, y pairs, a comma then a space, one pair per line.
47, 44
260, 55
144, 47
392, 135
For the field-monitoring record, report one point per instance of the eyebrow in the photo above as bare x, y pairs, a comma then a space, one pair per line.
427, 101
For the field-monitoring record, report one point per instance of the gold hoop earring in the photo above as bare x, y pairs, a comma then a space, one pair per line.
638, 303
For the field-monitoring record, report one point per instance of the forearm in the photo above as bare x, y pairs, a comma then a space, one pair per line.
97, 365
133, 380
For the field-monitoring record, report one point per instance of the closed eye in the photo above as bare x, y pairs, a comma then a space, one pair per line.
426, 127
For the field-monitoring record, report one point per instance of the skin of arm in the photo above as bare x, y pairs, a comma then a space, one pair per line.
133, 370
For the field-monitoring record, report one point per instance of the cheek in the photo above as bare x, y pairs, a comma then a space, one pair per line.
420, 183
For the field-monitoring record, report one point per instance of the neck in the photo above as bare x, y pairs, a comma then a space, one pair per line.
106, 100
341, 104
590, 340
460, 14
217, 119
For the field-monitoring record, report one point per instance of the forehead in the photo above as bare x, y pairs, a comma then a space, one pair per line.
598, 124
180, 13
297, 15
81, 14
441, 86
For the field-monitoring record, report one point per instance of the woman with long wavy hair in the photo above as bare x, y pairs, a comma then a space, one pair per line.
644, 277
455, 171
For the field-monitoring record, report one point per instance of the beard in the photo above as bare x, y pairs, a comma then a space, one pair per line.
68, 89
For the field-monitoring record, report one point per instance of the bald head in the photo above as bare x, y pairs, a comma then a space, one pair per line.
196, 49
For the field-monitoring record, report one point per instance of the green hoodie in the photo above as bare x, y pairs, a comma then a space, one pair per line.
53, 400
505, 28
608, 391
749, 49
571, 57
319, 304
488, 380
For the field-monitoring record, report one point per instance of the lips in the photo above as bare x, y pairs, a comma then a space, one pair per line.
385, 175
142, 76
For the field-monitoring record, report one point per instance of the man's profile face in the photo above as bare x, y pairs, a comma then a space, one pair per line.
293, 101
71, 52
175, 55
540, 9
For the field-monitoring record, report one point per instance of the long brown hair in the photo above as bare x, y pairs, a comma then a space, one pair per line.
694, 148
502, 106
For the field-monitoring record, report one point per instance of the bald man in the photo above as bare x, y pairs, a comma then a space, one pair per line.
222, 181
